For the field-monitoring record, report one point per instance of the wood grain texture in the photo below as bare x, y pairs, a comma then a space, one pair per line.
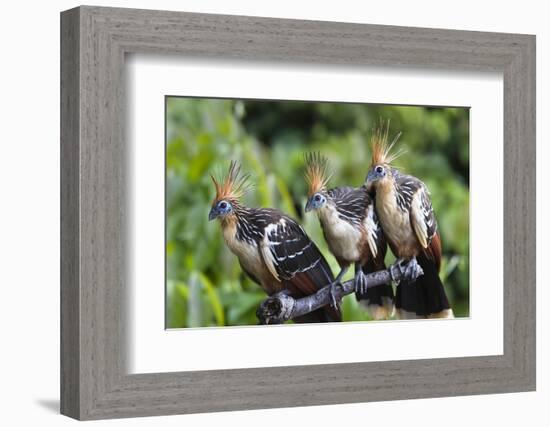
70, 293
94, 382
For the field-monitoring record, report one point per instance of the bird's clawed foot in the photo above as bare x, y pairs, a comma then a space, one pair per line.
360, 282
405, 270
336, 289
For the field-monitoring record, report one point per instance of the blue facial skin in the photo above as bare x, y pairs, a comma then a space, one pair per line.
375, 174
315, 202
220, 209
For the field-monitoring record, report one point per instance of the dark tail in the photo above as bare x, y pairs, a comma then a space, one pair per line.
379, 300
424, 297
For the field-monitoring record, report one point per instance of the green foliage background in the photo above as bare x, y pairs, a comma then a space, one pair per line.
205, 285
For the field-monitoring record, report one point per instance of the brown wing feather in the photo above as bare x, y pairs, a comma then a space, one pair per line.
433, 251
303, 285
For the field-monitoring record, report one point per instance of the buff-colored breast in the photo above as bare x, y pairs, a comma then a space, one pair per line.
395, 223
250, 258
343, 239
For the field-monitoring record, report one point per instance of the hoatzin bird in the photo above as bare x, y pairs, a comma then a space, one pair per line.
272, 248
353, 233
405, 212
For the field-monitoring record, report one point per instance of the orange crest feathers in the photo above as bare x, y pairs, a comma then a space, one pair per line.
317, 176
381, 148
233, 185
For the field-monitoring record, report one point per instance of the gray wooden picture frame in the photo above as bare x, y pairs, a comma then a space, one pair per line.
94, 381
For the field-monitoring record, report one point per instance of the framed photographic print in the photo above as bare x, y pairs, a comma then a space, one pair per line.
246, 184
272, 140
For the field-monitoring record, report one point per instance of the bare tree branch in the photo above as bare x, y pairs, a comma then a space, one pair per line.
281, 307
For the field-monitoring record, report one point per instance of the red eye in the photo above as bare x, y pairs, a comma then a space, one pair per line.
223, 205
317, 198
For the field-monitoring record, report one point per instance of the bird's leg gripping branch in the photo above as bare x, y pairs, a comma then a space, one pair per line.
281, 307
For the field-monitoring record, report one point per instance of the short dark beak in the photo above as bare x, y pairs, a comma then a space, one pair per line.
212, 215
308, 205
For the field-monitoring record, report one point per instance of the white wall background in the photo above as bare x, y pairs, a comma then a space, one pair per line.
29, 211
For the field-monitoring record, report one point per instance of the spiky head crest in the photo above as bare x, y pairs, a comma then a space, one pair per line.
317, 176
381, 147
233, 186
